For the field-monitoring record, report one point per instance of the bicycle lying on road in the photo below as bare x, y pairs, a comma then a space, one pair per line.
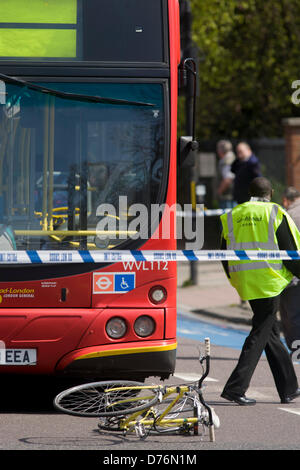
125, 406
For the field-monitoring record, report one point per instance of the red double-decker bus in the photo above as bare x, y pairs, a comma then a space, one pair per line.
88, 103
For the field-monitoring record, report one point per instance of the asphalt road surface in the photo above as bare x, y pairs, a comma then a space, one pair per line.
28, 422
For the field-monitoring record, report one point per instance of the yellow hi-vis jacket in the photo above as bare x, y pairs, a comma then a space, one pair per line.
252, 226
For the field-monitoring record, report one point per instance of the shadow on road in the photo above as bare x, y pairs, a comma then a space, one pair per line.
26, 394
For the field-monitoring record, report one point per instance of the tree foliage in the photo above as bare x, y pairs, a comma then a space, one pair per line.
249, 53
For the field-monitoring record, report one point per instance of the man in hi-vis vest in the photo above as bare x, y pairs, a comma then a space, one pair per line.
260, 224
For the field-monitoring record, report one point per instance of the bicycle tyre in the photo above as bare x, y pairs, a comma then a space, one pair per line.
91, 400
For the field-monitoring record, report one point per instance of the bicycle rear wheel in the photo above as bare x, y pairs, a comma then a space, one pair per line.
113, 398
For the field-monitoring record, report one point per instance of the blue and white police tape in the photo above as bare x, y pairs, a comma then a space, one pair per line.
113, 256
202, 213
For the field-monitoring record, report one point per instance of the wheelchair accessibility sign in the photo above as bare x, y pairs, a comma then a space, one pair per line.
113, 283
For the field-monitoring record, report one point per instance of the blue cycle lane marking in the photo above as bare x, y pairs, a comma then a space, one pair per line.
193, 328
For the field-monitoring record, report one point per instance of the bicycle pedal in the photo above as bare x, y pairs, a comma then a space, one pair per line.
185, 432
185, 429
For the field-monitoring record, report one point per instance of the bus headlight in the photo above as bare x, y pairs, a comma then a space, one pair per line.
116, 327
144, 326
157, 294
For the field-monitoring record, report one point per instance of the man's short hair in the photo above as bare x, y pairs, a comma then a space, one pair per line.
260, 187
291, 193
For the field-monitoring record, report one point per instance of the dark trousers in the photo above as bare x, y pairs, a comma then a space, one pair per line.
290, 313
264, 336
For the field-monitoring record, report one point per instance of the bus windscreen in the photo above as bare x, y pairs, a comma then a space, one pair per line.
70, 155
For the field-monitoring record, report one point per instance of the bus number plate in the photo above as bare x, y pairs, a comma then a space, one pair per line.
18, 357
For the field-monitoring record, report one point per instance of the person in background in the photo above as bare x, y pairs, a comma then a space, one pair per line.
225, 189
290, 297
260, 224
291, 203
245, 168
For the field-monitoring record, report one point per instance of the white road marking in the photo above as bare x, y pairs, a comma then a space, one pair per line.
192, 377
186, 331
296, 411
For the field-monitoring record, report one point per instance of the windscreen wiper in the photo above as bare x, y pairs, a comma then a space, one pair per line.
70, 96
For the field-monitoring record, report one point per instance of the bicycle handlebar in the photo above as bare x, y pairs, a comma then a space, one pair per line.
207, 361
207, 346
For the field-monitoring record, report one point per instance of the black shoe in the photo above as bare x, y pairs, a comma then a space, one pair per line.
240, 400
291, 397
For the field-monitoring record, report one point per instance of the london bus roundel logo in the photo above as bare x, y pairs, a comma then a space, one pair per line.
113, 283
103, 282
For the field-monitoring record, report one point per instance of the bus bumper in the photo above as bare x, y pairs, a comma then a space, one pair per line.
151, 358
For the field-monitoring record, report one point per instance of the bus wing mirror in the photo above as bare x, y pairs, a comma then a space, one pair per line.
188, 148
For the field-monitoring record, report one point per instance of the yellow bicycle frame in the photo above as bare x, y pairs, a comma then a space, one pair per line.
129, 422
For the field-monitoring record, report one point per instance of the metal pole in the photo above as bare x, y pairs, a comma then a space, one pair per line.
190, 102
45, 166
51, 162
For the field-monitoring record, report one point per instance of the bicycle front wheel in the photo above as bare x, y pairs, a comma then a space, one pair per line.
114, 398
